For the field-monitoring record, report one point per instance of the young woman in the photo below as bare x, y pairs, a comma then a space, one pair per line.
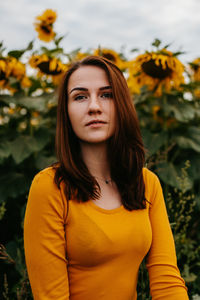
93, 216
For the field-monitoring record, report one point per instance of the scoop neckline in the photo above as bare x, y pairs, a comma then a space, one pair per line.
106, 211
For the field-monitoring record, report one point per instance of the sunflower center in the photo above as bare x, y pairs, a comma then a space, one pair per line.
44, 67
2, 75
196, 67
156, 71
46, 29
109, 56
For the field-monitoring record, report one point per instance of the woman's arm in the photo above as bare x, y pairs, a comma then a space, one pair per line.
44, 239
165, 280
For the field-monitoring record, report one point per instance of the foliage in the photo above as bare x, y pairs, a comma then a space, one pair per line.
187, 247
180, 203
169, 116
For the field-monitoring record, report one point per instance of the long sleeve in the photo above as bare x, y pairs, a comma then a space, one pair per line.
44, 239
165, 280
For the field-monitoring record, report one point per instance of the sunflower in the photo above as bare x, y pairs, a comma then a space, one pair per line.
156, 70
195, 74
17, 69
10, 67
112, 56
3, 70
50, 67
44, 25
195, 67
45, 32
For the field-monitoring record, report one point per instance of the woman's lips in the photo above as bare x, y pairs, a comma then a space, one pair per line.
95, 123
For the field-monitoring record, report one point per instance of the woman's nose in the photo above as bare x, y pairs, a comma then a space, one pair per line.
94, 105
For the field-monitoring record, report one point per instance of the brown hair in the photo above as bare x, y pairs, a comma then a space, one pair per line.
125, 148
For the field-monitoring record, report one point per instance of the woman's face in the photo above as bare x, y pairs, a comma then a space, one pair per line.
91, 105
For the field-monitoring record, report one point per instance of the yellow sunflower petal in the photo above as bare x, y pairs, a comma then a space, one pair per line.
49, 16
25, 82
53, 64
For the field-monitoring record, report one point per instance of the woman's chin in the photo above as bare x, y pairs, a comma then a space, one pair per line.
94, 140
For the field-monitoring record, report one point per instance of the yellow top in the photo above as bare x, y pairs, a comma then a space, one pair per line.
84, 252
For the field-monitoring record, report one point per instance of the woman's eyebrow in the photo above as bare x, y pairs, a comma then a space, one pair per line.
85, 89
105, 88
78, 89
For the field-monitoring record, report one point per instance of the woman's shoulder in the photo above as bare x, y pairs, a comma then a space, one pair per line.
44, 184
45, 178
152, 183
46, 173
49, 171
149, 175
45, 195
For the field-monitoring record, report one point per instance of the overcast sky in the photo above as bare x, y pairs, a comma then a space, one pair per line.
108, 23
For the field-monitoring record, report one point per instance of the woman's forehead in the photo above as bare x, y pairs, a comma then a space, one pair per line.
87, 76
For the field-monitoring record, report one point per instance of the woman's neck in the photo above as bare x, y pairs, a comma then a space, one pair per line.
96, 159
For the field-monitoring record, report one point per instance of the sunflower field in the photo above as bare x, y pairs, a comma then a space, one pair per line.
166, 94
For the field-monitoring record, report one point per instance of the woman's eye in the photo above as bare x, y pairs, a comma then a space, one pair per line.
107, 95
79, 97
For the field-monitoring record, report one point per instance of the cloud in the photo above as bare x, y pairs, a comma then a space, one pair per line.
108, 23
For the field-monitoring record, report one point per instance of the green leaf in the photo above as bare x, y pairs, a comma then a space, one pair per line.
58, 40
156, 43
16, 253
153, 142
197, 112
24, 146
194, 133
56, 51
167, 46
30, 46
169, 175
187, 143
11, 249
45, 49
190, 140
183, 112
44, 161
4, 149
42, 137
35, 84
193, 170
134, 50
18, 53
178, 53
189, 277
12, 185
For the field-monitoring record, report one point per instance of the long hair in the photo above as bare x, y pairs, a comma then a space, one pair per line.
125, 148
